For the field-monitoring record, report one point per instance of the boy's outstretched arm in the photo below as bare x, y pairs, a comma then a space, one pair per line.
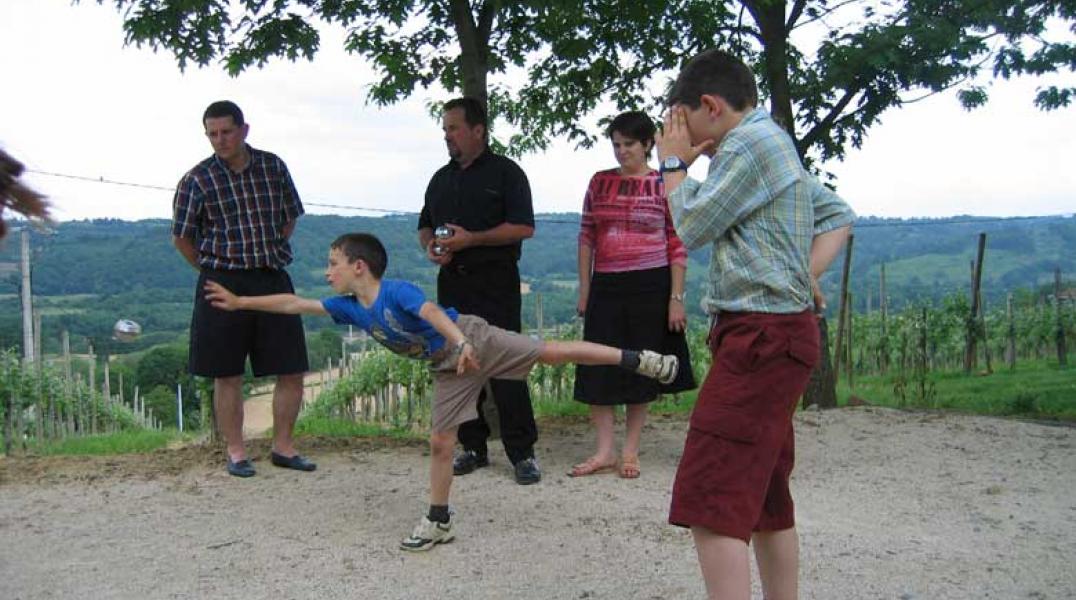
437, 318
222, 298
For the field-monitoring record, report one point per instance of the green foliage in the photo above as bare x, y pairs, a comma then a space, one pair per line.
1036, 388
324, 345
124, 442
329, 427
579, 55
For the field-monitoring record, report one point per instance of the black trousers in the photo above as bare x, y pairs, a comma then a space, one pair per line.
491, 291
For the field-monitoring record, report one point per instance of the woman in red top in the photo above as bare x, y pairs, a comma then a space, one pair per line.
631, 290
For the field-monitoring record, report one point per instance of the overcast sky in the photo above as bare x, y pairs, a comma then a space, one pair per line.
77, 102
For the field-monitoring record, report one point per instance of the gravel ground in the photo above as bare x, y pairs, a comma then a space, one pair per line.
890, 504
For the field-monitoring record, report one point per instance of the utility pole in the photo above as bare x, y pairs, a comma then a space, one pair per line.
27, 302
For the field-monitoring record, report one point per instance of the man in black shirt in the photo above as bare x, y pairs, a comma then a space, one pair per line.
484, 201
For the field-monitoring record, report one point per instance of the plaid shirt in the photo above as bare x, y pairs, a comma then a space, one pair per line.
237, 219
760, 210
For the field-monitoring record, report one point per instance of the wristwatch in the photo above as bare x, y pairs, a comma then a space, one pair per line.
678, 297
673, 163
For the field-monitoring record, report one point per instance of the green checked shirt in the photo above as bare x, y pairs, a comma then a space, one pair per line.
759, 209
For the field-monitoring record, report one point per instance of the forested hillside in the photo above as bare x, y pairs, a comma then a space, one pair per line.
87, 274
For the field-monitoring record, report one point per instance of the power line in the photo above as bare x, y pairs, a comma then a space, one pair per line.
859, 225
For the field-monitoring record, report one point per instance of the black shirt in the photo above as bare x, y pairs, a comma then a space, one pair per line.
491, 191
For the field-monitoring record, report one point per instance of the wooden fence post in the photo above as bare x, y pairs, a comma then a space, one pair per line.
1010, 352
972, 324
883, 307
843, 308
1062, 350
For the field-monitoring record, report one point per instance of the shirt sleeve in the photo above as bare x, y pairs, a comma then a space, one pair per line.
425, 220
336, 306
409, 298
734, 188
293, 206
830, 211
587, 226
677, 252
518, 206
187, 207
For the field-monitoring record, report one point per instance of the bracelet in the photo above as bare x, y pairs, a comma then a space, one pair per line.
678, 297
460, 344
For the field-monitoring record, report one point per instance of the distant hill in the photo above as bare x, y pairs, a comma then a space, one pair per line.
131, 267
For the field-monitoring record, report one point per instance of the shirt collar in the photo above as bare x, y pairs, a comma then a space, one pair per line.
481, 158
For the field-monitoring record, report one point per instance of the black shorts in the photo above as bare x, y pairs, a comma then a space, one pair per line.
221, 340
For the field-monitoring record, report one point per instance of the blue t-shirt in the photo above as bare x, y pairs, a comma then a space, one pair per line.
393, 319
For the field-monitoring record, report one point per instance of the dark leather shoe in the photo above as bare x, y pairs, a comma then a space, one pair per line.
467, 461
527, 471
241, 468
291, 462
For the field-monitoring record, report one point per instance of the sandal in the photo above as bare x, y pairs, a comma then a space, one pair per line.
629, 467
591, 466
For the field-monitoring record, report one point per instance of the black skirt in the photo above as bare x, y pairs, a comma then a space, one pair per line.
630, 310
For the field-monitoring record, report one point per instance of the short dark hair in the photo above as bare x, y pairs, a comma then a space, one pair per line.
224, 108
635, 125
716, 73
473, 111
365, 247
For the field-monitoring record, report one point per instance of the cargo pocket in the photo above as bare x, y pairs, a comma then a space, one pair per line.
803, 352
726, 424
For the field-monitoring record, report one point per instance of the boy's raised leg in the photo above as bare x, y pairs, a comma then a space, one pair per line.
651, 364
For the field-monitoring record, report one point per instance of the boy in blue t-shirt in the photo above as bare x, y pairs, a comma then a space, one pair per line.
464, 351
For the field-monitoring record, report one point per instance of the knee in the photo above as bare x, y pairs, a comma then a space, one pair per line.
441, 445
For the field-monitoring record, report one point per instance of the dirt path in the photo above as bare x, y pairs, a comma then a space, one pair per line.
258, 407
893, 505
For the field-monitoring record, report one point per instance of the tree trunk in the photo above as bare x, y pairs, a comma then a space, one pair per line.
821, 388
770, 17
474, 45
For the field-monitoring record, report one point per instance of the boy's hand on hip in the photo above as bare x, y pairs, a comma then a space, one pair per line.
467, 360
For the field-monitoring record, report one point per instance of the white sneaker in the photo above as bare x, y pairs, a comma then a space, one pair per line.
426, 535
662, 367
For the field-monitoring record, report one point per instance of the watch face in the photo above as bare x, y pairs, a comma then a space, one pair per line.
673, 163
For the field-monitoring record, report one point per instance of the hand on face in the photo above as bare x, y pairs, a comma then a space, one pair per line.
675, 137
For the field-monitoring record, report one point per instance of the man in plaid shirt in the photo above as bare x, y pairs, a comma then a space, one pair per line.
233, 214
773, 229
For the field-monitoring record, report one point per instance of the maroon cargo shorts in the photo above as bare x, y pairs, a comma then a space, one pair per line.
740, 448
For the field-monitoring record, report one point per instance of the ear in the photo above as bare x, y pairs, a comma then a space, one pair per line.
715, 105
245, 129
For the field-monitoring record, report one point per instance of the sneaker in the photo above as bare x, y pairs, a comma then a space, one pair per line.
528, 472
662, 367
467, 461
426, 535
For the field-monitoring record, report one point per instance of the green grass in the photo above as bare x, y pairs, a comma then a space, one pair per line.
125, 442
325, 427
1036, 389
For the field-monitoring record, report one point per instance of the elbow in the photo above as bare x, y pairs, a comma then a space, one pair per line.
526, 232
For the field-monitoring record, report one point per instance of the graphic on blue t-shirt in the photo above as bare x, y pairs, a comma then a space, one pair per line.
393, 318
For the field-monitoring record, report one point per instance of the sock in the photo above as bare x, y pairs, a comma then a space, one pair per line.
439, 513
629, 359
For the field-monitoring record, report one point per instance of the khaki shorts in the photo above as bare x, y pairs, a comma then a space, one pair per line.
501, 354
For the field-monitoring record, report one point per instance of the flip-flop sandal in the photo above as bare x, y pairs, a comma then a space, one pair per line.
590, 467
629, 467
